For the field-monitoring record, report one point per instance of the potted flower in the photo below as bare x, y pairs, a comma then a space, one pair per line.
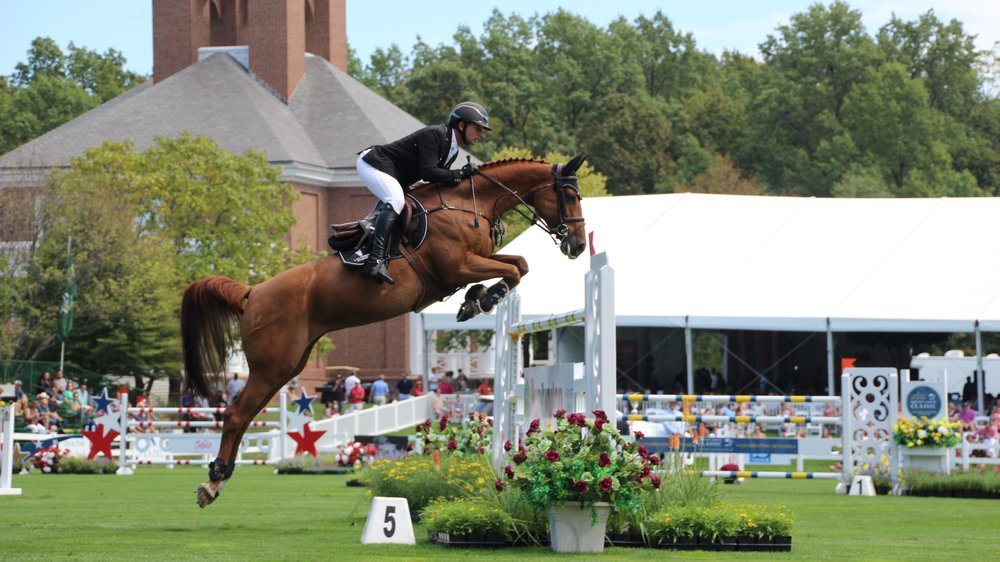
577, 473
925, 444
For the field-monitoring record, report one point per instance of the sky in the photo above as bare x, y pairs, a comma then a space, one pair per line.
126, 25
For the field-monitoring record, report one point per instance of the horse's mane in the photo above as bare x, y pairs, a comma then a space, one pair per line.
488, 165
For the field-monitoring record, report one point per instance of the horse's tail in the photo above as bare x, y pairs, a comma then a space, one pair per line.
208, 309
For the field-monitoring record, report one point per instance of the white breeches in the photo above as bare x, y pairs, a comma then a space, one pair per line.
381, 184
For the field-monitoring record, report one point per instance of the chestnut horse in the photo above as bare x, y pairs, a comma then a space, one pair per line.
281, 318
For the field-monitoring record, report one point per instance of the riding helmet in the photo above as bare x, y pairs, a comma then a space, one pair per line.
469, 111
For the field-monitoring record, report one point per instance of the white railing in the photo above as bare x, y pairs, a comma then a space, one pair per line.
377, 420
966, 448
474, 364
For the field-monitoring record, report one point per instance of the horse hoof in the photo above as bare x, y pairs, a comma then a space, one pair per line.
205, 496
467, 311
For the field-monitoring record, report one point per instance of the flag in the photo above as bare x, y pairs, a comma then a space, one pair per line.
69, 297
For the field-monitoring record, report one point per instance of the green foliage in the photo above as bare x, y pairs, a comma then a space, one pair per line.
143, 226
465, 516
78, 465
959, 483
692, 521
418, 479
53, 87
471, 439
910, 111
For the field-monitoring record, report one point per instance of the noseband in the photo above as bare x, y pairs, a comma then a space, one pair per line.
560, 183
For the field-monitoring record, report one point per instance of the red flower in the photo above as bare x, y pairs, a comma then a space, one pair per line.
605, 460
509, 471
607, 484
601, 415
520, 457
507, 445
577, 419
580, 486
654, 460
655, 480
559, 414
535, 423
452, 445
643, 452
645, 471
499, 484
599, 424
639, 435
552, 455
443, 423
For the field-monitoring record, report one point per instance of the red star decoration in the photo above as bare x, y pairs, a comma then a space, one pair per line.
305, 442
99, 443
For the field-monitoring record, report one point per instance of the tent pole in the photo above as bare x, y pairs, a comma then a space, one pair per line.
689, 351
980, 374
829, 359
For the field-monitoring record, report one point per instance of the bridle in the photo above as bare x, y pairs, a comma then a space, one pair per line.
560, 183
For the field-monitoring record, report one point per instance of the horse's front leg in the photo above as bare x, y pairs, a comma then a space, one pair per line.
237, 416
479, 299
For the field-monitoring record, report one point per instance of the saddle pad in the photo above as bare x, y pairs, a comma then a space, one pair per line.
354, 247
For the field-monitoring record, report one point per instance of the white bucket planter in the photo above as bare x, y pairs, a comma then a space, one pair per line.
572, 528
928, 459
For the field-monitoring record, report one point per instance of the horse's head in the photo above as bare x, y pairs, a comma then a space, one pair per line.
560, 208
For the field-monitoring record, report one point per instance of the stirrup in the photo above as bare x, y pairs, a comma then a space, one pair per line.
378, 269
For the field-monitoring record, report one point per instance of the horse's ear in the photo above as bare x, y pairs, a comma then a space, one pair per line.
574, 164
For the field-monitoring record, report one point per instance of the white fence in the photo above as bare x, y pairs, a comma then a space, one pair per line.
377, 420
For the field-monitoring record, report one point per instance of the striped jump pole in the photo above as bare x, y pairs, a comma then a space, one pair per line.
188, 424
551, 323
834, 420
772, 475
738, 398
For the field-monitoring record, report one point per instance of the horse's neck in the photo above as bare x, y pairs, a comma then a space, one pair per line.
522, 180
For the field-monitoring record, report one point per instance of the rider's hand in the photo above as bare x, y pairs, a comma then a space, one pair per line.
470, 169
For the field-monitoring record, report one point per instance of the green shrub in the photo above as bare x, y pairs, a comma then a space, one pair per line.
77, 465
722, 520
466, 516
419, 480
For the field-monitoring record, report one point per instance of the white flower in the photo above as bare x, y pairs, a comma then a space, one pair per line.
922, 434
943, 430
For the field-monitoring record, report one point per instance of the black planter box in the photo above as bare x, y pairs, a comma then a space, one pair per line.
624, 539
474, 540
680, 544
752, 544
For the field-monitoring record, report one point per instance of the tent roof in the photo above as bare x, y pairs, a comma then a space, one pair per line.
775, 263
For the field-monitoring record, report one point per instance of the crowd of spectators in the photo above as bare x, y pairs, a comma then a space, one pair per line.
53, 404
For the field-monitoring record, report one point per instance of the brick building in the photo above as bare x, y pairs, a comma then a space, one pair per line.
269, 75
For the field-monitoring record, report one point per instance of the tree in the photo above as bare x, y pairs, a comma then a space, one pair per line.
144, 225
630, 140
724, 178
51, 88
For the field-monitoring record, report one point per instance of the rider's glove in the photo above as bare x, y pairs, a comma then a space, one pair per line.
470, 169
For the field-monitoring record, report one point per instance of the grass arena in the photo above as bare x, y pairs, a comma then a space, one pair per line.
152, 516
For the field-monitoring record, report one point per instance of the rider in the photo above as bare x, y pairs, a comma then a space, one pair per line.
423, 155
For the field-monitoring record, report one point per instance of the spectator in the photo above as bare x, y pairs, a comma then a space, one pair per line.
380, 391
968, 390
144, 417
330, 410
70, 398
967, 418
404, 388
338, 392
433, 378
350, 382
32, 420
83, 398
234, 387
44, 384
59, 384
444, 386
48, 418
18, 391
356, 396
462, 382
485, 388
418, 387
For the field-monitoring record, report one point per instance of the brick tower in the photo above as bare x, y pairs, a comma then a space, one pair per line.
278, 33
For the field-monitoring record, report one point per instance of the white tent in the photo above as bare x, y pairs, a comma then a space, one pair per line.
775, 263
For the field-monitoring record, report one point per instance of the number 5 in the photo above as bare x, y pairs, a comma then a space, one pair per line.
390, 528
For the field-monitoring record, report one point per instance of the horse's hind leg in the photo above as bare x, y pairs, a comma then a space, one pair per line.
237, 417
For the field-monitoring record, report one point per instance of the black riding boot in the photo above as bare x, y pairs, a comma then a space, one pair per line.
378, 260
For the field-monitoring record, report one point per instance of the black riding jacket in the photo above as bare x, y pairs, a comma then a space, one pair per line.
422, 155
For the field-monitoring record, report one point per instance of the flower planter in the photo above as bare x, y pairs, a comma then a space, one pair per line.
572, 529
474, 540
928, 459
754, 544
625, 539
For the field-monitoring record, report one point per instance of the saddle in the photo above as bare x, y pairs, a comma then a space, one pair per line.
352, 240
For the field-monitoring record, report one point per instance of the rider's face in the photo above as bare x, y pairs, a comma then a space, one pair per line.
473, 132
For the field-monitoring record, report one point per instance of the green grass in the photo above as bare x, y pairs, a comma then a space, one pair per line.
153, 516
